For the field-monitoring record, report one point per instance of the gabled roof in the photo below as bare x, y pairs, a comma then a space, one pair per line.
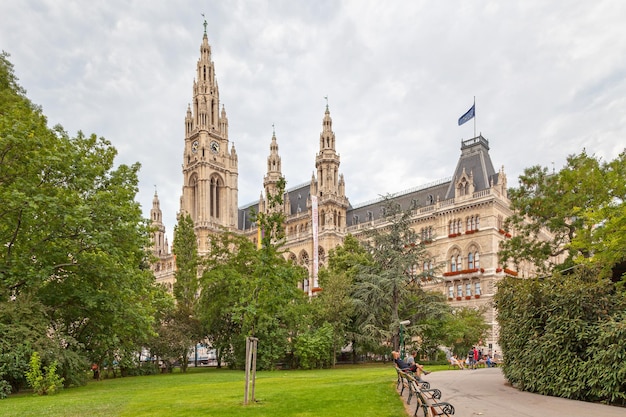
475, 161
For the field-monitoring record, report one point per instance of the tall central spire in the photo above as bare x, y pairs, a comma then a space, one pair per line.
209, 168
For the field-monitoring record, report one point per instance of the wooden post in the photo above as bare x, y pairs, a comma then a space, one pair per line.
245, 390
251, 349
254, 347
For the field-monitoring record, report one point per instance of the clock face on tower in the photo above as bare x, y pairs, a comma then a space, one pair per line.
194, 146
215, 147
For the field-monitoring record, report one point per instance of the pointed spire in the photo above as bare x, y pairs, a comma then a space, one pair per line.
273, 160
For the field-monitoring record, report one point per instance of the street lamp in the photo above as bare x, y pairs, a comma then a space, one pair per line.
402, 324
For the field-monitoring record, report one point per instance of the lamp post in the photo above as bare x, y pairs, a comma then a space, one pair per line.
402, 324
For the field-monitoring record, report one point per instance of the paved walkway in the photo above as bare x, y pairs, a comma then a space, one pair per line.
484, 392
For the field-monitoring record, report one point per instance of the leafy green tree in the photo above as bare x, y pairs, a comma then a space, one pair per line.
74, 234
464, 329
185, 249
605, 241
570, 205
430, 315
334, 305
186, 289
249, 292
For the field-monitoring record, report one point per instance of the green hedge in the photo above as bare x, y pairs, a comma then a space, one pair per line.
564, 336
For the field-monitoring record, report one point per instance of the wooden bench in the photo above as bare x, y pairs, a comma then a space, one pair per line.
405, 378
427, 398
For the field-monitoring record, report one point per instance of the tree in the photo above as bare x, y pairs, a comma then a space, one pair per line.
605, 240
334, 305
74, 235
464, 329
570, 205
252, 292
186, 291
382, 288
185, 249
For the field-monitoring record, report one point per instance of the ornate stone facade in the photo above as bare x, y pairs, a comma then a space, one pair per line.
460, 219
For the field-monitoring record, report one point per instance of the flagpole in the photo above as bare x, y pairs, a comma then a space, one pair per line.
474, 116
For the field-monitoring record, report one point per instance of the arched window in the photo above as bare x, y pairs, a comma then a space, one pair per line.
453, 263
304, 258
321, 254
470, 260
215, 197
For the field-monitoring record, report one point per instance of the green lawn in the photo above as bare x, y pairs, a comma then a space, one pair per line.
364, 390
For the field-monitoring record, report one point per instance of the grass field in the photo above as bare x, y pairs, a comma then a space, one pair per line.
363, 390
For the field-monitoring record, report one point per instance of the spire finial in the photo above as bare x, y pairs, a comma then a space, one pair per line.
205, 23
326, 98
273, 130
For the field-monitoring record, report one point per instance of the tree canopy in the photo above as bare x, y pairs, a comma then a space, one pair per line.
73, 236
583, 209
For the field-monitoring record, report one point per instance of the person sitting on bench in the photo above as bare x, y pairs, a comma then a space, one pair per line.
403, 366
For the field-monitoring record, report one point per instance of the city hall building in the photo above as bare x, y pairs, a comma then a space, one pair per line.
460, 218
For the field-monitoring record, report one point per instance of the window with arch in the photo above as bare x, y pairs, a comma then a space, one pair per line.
321, 254
473, 257
215, 196
426, 233
454, 226
304, 258
473, 222
456, 261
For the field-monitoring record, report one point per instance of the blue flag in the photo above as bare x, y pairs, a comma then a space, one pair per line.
469, 115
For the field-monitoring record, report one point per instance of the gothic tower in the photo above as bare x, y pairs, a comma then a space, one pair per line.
271, 178
210, 170
330, 187
159, 241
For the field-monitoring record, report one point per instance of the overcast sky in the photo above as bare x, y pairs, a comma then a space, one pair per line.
549, 79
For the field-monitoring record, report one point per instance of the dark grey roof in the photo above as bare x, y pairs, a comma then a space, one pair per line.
409, 199
474, 160
298, 197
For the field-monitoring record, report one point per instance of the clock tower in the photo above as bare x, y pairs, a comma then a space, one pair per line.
210, 170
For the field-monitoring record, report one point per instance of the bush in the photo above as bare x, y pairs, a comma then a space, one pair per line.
43, 383
564, 336
314, 349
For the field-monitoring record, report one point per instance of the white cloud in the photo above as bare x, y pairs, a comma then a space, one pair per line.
549, 79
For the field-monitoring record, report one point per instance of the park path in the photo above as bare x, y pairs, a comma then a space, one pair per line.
485, 392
